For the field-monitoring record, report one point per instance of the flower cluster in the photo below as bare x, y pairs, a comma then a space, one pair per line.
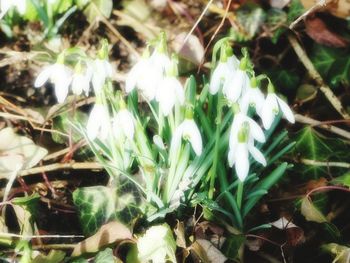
78, 78
240, 88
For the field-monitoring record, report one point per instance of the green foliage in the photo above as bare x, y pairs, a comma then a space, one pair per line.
232, 245
333, 64
105, 256
342, 180
54, 256
312, 146
285, 79
341, 253
96, 206
93, 9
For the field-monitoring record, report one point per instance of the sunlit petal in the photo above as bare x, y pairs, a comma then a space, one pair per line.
287, 112
242, 161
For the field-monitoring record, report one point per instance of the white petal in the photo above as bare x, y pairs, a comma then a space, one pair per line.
242, 161
127, 123
217, 78
77, 83
257, 155
176, 140
93, 124
195, 138
43, 76
179, 91
258, 99
256, 130
287, 112
231, 156
166, 96
133, 75
267, 111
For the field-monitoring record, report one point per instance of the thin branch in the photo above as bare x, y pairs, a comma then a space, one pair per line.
320, 4
62, 166
330, 128
327, 164
10, 235
324, 88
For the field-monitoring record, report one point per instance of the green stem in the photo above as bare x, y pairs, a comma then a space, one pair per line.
239, 194
213, 171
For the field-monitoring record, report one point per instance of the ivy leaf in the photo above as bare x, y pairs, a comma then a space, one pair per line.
285, 79
251, 17
313, 146
333, 64
341, 253
105, 256
311, 212
96, 8
96, 206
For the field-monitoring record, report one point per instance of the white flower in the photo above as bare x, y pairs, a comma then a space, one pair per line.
147, 74
169, 92
157, 245
81, 82
252, 97
235, 85
102, 70
98, 123
239, 156
272, 105
222, 73
6, 5
60, 75
187, 130
255, 130
123, 124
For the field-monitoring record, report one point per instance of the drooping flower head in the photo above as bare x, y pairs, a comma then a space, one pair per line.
239, 150
187, 130
6, 5
272, 106
170, 90
81, 79
224, 71
60, 76
98, 125
252, 97
123, 123
102, 69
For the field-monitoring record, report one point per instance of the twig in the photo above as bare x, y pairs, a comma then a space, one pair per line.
325, 89
330, 128
197, 22
61, 166
320, 4
327, 164
5, 235
120, 37
54, 246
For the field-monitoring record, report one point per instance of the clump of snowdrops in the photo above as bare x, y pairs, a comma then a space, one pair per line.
178, 143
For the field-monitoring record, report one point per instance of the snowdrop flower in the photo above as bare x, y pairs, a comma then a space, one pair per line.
123, 124
6, 5
98, 123
237, 84
60, 75
272, 105
147, 74
239, 152
81, 80
170, 91
157, 245
240, 119
252, 97
102, 70
189, 131
223, 73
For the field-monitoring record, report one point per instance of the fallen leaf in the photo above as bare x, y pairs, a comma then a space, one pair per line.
341, 253
319, 31
180, 234
295, 234
339, 8
279, 3
207, 252
311, 212
109, 233
192, 50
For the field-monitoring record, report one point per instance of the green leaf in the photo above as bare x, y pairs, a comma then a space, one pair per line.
296, 9
341, 253
96, 206
251, 17
105, 256
333, 64
232, 245
96, 8
311, 212
342, 180
63, 122
313, 146
285, 79
55, 256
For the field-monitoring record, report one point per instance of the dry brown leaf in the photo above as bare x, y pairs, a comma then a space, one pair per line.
318, 31
109, 233
295, 234
207, 252
339, 8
